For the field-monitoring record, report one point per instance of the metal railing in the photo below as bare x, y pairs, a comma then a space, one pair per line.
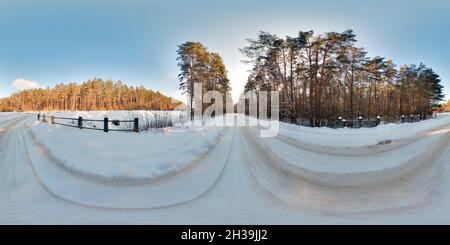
79, 123
360, 122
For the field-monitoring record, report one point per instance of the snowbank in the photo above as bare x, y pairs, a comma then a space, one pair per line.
180, 189
125, 157
236, 182
361, 137
357, 164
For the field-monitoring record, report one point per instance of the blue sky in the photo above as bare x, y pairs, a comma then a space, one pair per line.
135, 41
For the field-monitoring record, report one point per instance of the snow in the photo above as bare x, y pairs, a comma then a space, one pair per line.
137, 192
124, 157
224, 175
353, 157
6, 116
357, 170
178, 118
348, 137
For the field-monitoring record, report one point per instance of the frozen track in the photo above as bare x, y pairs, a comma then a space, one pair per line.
181, 188
253, 187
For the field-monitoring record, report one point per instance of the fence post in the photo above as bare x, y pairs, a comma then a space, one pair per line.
52, 119
80, 122
39, 116
136, 125
378, 120
403, 118
411, 118
340, 122
105, 125
360, 121
43, 118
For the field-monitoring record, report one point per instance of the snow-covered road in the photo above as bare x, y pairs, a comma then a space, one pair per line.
243, 179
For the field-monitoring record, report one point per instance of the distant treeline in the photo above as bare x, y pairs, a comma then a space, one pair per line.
94, 94
322, 77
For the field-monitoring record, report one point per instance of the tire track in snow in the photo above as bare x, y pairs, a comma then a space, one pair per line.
24, 200
125, 181
358, 150
258, 174
409, 191
32, 201
132, 209
11, 160
351, 171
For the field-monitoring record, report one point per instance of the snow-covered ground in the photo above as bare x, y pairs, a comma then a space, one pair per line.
360, 137
146, 118
358, 157
396, 173
124, 157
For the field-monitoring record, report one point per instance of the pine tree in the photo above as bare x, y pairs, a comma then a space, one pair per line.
321, 77
198, 65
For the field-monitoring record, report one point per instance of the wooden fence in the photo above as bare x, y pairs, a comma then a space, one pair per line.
65, 121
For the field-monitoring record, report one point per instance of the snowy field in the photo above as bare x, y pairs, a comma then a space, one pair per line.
124, 157
362, 137
391, 174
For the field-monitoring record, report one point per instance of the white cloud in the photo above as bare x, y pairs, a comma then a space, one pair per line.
21, 84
